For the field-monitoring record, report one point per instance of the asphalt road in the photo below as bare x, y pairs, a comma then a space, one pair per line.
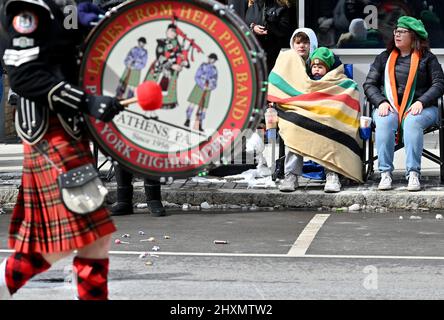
270, 255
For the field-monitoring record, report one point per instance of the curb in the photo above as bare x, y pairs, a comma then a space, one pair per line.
301, 199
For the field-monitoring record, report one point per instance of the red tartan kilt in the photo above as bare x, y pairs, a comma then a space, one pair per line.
40, 222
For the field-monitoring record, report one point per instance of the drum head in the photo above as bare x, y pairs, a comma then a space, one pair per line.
213, 78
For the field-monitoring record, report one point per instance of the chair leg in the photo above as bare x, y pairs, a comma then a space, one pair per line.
441, 138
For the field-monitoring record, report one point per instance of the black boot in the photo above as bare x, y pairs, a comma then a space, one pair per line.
124, 204
187, 123
154, 198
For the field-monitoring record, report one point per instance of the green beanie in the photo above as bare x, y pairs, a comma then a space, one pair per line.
413, 24
323, 55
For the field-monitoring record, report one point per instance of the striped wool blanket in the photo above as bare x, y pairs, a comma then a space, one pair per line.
318, 119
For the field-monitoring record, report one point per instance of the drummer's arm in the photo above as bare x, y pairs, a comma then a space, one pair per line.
26, 63
30, 76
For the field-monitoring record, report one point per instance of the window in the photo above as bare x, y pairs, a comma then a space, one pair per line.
370, 23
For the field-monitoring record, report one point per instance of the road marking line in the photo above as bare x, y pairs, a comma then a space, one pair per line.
307, 236
11, 169
7, 158
262, 255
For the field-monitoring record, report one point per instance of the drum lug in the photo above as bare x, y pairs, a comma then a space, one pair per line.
110, 12
219, 9
255, 54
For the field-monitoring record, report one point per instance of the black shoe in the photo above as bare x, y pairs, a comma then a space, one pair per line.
122, 209
156, 208
187, 123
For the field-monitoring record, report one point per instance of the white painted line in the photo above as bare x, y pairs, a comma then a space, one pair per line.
262, 255
307, 236
11, 169
6, 158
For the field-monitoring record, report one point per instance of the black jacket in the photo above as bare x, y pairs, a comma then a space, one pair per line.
40, 58
429, 83
239, 6
276, 19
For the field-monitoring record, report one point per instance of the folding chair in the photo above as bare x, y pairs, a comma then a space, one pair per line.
368, 148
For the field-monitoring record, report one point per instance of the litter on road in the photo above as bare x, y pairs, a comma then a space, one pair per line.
166, 237
439, 217
415, 218
156, 248
118, 241
354, 207
141, 233
152, 239
220, 242
126, 235
205, 205
143, 255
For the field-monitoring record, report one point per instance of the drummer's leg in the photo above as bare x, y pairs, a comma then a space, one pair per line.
19, 268
154, 197
124, 204
90, 268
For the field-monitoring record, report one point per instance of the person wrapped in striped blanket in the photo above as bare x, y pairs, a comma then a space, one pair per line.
318, 114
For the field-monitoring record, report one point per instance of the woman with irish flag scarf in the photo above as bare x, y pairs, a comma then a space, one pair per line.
404, 83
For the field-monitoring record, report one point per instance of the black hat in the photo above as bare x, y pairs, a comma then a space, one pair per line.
213, 56
172, 26
142, 39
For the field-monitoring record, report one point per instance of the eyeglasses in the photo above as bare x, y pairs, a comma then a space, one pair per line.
400, 32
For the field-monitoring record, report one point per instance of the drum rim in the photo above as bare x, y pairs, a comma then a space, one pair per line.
258, 68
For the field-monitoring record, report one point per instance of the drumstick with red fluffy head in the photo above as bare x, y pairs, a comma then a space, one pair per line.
148, 96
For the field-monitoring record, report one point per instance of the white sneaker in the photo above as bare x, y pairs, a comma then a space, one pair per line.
332, 184
4, 291
414, 184
386, 181
290, 183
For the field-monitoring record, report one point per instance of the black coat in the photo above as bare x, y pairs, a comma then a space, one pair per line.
239, 6
279, 28
429, 83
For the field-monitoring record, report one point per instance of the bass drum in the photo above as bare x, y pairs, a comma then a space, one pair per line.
213, 76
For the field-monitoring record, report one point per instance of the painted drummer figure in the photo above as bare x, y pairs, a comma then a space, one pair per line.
39, 54
206, 82
169, 62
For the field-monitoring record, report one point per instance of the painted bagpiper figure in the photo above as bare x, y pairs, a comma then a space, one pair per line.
170, 61
206, 82
39, 55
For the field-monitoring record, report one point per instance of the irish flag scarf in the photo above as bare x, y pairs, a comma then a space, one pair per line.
390, 87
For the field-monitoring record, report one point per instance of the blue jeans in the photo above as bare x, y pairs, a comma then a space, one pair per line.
413, 138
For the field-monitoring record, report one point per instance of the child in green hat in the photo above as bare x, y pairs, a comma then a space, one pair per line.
322, 59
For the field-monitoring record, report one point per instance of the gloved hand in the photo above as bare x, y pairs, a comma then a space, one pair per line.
88, 13
103, 108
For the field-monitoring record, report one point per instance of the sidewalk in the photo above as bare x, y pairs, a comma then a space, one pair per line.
225, 193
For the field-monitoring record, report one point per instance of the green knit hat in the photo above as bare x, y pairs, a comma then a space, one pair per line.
413, 24
323, 55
